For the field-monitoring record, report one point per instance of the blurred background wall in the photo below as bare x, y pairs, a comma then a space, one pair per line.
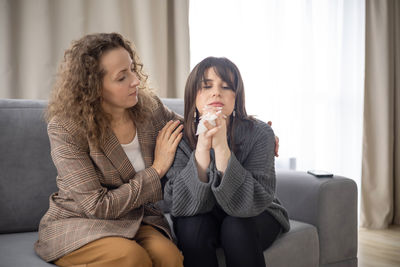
35, 33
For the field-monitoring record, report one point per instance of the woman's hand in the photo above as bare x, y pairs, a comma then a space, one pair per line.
220, 143
220, 139
202, 153
167, 142
205, 138
276, 141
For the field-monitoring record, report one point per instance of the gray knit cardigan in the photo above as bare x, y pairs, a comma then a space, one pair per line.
246, 189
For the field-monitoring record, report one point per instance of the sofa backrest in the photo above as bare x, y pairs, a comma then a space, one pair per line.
27, 172
175, 104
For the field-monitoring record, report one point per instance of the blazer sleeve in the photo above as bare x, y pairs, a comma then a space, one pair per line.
78, 179
184, 193
247, 189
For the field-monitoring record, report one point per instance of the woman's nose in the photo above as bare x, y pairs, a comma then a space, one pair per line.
135, 80
216, 91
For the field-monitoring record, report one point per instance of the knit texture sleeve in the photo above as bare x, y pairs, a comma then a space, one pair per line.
184, 193
247, 189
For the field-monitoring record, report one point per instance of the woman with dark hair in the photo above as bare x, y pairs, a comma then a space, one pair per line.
221, 186
111, 141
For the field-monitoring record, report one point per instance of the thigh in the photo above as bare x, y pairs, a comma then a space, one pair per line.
197, 230
268, 229
161, 250
198, 239
107, 251
245, 239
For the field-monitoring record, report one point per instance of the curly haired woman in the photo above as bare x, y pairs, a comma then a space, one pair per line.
111, 142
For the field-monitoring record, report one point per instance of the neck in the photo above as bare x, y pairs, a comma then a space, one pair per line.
120, 118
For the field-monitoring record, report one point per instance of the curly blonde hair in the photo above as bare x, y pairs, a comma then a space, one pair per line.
77, 94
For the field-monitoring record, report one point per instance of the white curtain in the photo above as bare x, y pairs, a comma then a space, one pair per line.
35, 33
303, 67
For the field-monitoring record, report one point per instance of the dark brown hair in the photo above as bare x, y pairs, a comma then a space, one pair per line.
77, 94
230, 74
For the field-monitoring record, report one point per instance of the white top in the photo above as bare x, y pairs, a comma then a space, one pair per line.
132, 150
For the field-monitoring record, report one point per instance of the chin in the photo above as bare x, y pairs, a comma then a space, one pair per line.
133, 103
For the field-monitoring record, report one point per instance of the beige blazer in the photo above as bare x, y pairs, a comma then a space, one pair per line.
100, 193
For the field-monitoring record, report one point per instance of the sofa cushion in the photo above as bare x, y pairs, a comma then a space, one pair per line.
17, 250
299, 247
27, 176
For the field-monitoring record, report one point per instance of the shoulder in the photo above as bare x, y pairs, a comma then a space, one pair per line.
255, 137
148, 101
264, 135
67, 130
58, 123
256, 129
149, 111
156, 106
155, 102
263, 128
160, 114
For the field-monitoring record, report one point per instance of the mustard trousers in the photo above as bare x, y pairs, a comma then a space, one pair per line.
149, 248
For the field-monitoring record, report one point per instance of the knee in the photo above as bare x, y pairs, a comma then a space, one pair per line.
128, 253
169, 256
194, 232
238, 230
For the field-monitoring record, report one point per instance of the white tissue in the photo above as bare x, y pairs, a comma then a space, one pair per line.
210, 117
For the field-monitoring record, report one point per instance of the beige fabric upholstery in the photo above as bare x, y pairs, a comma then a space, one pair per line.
380, 189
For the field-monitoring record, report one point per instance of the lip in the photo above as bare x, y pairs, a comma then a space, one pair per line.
216, 104
134, 93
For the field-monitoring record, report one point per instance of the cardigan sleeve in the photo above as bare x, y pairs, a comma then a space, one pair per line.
185, 194
247, 189
78, 179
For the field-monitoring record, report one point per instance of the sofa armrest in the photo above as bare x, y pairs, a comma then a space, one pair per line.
330, 204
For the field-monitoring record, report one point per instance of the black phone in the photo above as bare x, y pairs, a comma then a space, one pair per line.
320, 174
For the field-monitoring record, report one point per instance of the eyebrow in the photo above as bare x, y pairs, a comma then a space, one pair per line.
123, 70
211, 80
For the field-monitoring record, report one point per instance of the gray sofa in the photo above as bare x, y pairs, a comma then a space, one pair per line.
323, 212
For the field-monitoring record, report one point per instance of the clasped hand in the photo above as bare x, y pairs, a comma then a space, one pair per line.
216, 135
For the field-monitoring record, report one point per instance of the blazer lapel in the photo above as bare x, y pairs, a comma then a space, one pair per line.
113, 150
